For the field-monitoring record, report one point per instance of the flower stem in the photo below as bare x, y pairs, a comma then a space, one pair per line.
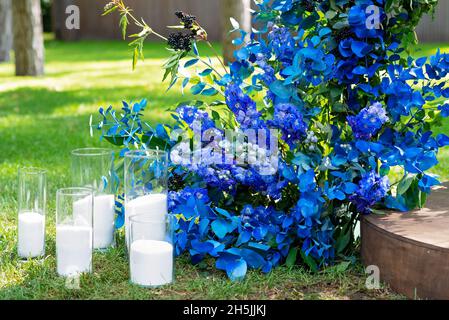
122, 8
207, 64
218, 56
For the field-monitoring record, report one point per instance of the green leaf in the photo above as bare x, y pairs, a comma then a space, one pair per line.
330, 14
198, 88
343, 241
209, 92
124, 24
412, 197
405, 184
190, 63
309, 261
384, 170
291, 258
215, 115
205, 72
422, 199
339, 107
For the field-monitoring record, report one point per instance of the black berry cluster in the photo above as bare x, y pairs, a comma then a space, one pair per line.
180, 40
186, 19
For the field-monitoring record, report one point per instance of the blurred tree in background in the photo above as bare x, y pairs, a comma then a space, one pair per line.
28, 37
5, 30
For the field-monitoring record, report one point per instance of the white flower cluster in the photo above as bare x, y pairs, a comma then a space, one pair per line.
311, 140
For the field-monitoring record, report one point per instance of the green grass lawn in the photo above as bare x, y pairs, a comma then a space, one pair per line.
43, 119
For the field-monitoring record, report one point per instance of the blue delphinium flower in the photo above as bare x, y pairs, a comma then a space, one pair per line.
195, 118
372, 189
289, 120
282, 43
269, 75
368, 122
243, 107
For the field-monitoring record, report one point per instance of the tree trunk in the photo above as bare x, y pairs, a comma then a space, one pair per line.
240, 11
28, 37
5, 30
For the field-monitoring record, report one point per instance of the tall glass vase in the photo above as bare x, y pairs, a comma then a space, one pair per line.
32, 197
74, 231
94, 168
146, 174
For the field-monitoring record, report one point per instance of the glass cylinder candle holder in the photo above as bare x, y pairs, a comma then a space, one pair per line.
94, 168
145, 185
31, 212
151, 253
74, 231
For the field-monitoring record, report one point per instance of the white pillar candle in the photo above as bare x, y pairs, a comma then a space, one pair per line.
151, 262
73, 249
31, 242
104, 217
81, 209
151, 204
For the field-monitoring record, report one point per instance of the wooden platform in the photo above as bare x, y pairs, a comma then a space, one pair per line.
412, 249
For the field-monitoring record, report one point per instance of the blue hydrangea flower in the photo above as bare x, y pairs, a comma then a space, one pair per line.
218, 177
372, 189
368, 122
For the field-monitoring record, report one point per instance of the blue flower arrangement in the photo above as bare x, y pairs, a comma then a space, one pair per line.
351, 110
